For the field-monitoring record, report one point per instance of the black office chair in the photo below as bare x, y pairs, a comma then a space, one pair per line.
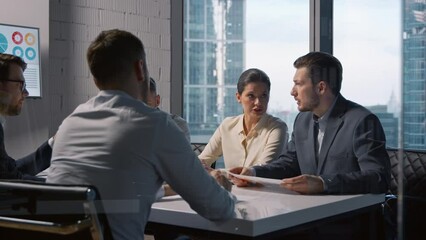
34, 210
198, 148
414, 180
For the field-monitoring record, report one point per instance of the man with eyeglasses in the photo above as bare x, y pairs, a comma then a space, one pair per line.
12, 97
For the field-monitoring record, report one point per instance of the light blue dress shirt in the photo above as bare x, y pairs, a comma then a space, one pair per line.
127, 149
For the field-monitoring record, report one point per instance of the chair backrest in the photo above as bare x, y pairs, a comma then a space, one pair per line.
35, 210
198, 148
414, 180
414, 172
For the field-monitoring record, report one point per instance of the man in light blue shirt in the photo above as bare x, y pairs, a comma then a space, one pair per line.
128, 149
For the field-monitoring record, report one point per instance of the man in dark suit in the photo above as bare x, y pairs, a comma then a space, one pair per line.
12, 96
337, 146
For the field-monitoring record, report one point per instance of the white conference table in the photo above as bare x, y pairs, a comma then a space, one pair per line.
262, 210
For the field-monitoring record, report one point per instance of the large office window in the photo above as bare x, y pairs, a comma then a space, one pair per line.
381, 44
213, 51
367, 40
414, 74
222, 38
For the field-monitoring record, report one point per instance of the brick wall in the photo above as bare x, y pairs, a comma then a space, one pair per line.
75, 23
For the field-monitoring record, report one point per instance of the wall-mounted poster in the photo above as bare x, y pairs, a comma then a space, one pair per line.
24, 42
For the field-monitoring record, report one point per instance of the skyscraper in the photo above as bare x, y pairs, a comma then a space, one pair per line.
389, 123
414, 74
214, 49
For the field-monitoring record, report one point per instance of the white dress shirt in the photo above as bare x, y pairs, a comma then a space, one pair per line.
265, 142
127, 149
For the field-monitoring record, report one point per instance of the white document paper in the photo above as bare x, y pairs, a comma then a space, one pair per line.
269, 183
254, 180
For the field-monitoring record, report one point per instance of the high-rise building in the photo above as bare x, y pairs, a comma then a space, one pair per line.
414, 74
389, 123
214, 51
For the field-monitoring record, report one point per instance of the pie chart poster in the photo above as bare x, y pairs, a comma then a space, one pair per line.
24, 42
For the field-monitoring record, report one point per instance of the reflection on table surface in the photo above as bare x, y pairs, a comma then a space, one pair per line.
261, 210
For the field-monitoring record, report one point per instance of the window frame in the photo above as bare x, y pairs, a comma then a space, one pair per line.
320, 39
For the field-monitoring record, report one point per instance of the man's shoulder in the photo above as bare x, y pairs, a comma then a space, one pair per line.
117, 104
344, 108
177, 118
354, 109
121, 101
182, 124
303, 116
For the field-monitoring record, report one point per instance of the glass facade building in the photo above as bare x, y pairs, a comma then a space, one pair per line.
414, 74
214, 49
389, 123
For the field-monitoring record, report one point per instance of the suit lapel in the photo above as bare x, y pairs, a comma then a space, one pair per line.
3, 153
311, 146
307, 146
334, 123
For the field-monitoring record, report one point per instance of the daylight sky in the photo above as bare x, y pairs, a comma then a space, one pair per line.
367, 40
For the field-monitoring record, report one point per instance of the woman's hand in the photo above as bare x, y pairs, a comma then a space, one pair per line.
241, 171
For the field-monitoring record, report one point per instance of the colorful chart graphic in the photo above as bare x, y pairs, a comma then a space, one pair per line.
30, 38
17, 51
17, 37
3, 43
20, 42
24, 42
30, 53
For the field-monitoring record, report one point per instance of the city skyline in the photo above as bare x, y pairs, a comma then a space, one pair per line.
414, 75
367, 49
214, 58
371, 53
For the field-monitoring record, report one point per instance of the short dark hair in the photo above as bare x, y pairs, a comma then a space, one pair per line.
152, 85
252, 75
112, 55
6, 60
322, 67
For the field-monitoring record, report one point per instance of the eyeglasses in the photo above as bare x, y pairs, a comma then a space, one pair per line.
23, 83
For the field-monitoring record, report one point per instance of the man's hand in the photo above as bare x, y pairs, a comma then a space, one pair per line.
168, 191
304, 184
242, 171
221, 179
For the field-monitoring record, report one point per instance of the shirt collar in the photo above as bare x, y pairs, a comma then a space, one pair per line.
259, 125
240, 124
322, 121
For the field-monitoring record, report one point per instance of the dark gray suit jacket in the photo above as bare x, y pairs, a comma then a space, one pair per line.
353, 157
27, 167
